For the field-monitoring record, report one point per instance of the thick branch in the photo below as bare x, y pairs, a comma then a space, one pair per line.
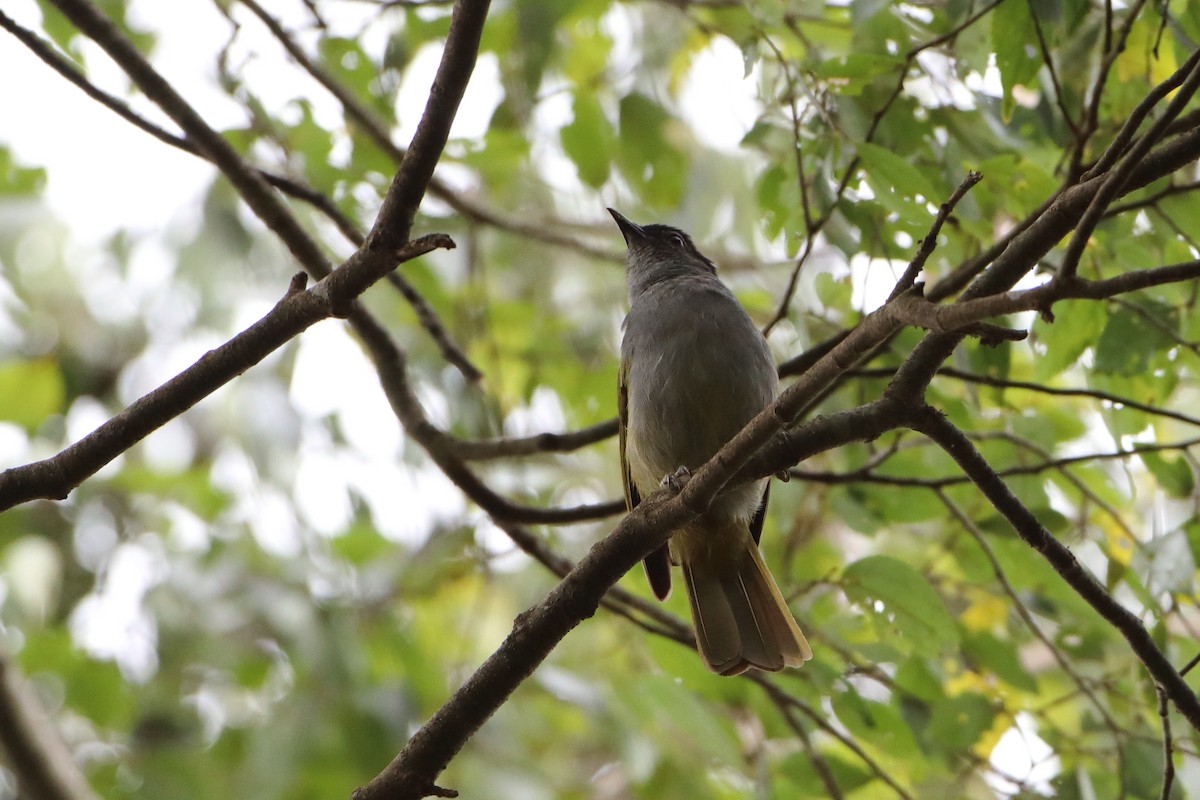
960, 316
934, 425
395, 219
1028, 247
412, 774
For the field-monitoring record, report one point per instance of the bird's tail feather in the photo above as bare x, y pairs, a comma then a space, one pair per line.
740, 616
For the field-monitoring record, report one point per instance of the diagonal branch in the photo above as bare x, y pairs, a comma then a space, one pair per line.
289, 186
55, 477
1184, 83
37, 754
1025, 249
933, 424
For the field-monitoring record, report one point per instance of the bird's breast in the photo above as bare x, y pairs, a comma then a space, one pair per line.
698, 371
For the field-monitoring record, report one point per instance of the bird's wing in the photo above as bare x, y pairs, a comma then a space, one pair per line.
760, 516
632, 498
658, 563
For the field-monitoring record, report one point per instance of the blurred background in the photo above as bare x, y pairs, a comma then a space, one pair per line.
267, 596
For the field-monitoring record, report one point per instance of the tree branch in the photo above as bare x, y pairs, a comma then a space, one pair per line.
43, 765
535, 633
933, 424
289, 186
55, 477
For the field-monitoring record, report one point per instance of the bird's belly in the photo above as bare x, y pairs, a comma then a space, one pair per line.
690, 402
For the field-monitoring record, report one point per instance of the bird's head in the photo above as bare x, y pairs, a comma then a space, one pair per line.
659, 253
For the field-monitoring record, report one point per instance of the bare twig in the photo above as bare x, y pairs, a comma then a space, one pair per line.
1164, 715
1059, 99
1009, 383
538, 443
1026, 616
929, 243
290, 186
783, 699
1113, 47
815, 226
942, 482
547, 231
1184, 82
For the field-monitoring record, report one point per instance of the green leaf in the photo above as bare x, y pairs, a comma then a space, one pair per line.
19, 181
889, 171
192, 488
588, 141
912, 606
848, 775
93, 688
1013, 38
646, 156
1000, 658
1128, 344
854, 71
348, 61
1167, 564
834, 293
915, 678
957, 722
1076, 325
30, 392
1175, 477
880, 724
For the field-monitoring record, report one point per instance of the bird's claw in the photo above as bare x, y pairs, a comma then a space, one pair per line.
676, 480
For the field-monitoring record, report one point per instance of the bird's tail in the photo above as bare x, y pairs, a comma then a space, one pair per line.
740, 616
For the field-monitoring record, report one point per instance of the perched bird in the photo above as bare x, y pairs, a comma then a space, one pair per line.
694, 371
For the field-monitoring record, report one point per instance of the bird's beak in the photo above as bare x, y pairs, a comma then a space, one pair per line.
629, 230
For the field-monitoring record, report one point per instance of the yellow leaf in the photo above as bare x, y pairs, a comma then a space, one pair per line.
1120, 545
969, 681
985, 612
988, 741
1139, 61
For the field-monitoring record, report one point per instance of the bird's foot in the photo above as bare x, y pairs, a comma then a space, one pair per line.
676, 480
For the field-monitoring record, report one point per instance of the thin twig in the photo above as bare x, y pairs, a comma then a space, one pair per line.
1184, 82
929, 243
547, 231
934, 425
1113, 47
1164, 715
1059, 99
943, 482
783, 698
1026, 616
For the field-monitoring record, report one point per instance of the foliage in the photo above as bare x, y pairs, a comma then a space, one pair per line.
269, 595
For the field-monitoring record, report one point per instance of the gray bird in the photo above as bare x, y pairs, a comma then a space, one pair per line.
694, 371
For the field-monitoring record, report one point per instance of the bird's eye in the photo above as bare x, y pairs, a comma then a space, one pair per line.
678, 241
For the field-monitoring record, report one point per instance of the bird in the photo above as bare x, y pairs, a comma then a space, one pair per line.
694, 371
